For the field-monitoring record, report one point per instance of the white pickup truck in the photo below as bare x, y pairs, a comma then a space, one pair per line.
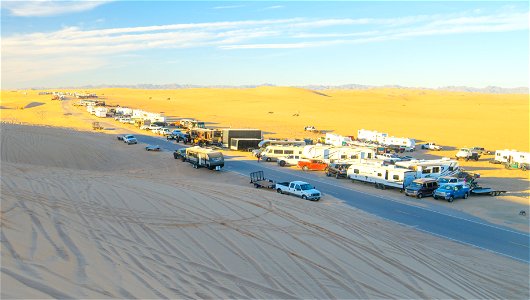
298, 188
431, 146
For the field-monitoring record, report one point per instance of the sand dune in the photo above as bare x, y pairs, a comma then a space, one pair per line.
84, 216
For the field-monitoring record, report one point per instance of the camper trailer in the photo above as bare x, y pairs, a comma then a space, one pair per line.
337, 140
433, 168
371, 135
504, 156
381, 175
266, 143
330, 153
100, 111
203, 157
229, 134
272, 153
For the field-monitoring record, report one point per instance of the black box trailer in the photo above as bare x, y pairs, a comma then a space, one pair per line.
229, 134
244, 144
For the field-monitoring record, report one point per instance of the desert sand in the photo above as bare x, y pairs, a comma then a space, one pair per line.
85, 216
452, 119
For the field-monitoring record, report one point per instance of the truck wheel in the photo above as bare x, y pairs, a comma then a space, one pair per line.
279, 191
175, 156
305, 168
466, 195
419, 196
451, 199
328, 174
523, 168
337, 176
282, 163
435, 197
183, 159
268, 159
304, 197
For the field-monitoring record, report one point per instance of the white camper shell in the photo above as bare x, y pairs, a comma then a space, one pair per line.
329, 153
381, 175
505, 156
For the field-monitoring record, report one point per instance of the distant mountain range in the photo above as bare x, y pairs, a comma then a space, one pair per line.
175, 86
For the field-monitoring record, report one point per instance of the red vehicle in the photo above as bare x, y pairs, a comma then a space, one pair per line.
313, 165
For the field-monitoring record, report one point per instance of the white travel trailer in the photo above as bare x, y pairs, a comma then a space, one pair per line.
432, 168
101, 111
337, 140
124, 111
504, 156
399, 141
371, 135
272, 153
381, 175
91, 109
266, 143
330, 153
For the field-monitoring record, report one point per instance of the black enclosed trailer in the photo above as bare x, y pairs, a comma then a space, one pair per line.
229, 134
244, 144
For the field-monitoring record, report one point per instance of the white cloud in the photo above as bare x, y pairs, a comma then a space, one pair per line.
48, 7
44, 54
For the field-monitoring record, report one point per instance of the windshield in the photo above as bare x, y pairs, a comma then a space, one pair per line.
306, 187
443, 180
447, 187
415, 185
130, 136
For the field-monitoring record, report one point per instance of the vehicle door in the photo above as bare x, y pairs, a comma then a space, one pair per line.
297, 190
291, 187
458, 191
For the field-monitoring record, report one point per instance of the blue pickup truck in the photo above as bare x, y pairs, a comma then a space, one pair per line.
451, 191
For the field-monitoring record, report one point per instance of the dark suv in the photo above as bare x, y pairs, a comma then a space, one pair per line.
337, 170
180, 153
421, 187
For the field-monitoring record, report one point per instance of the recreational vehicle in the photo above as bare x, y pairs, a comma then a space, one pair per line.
229, 134
505, 156
381, 175
202, 157
266, 143
244, 144
330, 153
337, 140
431, 168
272, 153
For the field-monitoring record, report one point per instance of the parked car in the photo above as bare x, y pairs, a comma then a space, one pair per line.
177, 135
451, 191
431, 146
125, 120
467, 154
298, 188
180, 153
152, 148
289, 160
338, 170
163, 131
421, 187
313, 165
481, 150
154, 127
129, 139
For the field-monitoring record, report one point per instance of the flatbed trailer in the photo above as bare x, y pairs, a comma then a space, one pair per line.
486, 191
259, 181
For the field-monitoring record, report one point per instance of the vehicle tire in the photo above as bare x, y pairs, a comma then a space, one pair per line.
305, 168
466, 195
337, 176
435, 197
328, 174
282, 163
183, 159
268, 159
304, 197
467, 158
175, 156
419, 196
451, 199
279, 191
523, 168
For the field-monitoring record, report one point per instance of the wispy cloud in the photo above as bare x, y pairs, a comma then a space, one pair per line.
274, 7
228, 6
73, 49
43, 8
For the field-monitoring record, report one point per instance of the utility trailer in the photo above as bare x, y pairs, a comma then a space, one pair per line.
259, 181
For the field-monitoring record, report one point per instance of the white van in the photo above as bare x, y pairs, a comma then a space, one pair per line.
272, 153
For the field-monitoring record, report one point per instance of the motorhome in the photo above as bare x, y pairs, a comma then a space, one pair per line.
432, 168
384, 139
272, 153
203, 157
381, 175
100, 111
370, 135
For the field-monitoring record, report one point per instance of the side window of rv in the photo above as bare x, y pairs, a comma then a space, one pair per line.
356, 171
356, 156
278, 151
395, 177
288, 151
379, 174
369, 155
426, 171
436, 169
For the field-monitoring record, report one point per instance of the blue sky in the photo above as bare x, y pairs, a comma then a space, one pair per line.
417, 44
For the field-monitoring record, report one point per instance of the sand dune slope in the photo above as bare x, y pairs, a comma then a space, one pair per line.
108, 220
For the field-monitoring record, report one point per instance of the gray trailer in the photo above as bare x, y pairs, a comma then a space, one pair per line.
244, 144
229, 134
